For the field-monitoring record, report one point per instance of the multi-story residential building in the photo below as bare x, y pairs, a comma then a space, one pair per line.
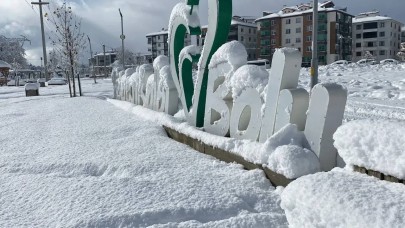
157, 43
292, 27
377, 35
403, 34
98, 61
242, 30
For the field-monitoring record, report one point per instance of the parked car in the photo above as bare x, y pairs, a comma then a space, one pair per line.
389, 61
367, 62
42, 82
340, 62
57, 81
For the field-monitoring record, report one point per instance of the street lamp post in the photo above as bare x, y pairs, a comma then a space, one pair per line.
43, 35
122, 39
314, 61
91, 60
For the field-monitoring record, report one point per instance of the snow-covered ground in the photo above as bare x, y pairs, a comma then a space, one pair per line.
82, 162
85, 162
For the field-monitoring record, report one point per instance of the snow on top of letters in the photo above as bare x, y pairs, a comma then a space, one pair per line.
248, 76
182, 10
189, 50
232, 52
160, 62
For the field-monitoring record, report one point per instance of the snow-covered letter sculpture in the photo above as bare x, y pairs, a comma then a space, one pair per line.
228, 97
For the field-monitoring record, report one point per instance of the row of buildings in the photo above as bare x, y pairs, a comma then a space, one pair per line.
341, 36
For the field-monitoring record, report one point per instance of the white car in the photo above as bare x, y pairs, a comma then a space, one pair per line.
389, 61
367, 62
340, 62
57, 81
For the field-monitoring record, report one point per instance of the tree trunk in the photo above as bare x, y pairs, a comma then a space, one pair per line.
70, 87
73, 72
80, 86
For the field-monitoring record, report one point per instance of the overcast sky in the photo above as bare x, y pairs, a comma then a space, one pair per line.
101, 20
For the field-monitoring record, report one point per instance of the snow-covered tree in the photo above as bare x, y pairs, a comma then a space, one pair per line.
68, 39
128, 55
368, 55
11, 51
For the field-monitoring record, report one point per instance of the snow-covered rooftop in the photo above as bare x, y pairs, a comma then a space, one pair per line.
372, 18
164, 32
4, 65
322, 7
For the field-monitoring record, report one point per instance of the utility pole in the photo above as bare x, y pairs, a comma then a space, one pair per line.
314, 62
43, 35
91, 60
105, 70
122, 39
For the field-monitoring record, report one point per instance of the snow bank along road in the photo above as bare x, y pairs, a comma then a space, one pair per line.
83, 162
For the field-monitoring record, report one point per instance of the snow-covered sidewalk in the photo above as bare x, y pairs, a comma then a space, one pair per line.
83, 162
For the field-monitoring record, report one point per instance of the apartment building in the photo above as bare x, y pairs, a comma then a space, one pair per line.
403, 34
98, 61
242, 30
157, 43
292, 27
378, 35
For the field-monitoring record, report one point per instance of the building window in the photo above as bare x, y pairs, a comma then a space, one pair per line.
298, 30
273, 22
370, 44
158, 44
288, 31
241, 29
299, 49
382, 24
382, 34
287, 41
288, 21
309, 28
149, 40
309, 17
358, 27
358, 53
358, 36
371, 25
382, 43
298, 40
273, 41
382, 52
309, 48
298, 20
241, 38
250, 39
358, 45
309, 38
369, 35
250, 31
273, 33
